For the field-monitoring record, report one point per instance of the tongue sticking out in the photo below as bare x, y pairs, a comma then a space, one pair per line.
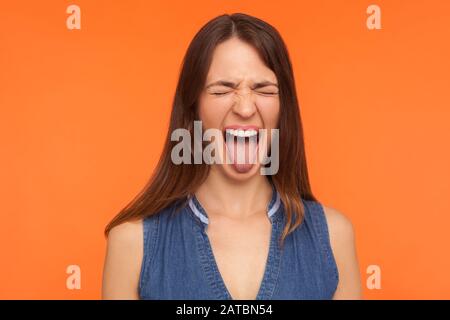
242, 152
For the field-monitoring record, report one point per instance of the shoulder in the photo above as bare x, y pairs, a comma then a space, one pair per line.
340, 227
342, 240
334, 228
123, 261
125, 241
126, 231
341, 232
337, 224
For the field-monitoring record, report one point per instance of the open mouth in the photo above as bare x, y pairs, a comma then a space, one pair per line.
242, 147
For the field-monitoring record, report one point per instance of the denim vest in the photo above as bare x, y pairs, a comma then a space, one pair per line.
178, 262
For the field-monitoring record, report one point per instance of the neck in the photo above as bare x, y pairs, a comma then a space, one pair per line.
235, 199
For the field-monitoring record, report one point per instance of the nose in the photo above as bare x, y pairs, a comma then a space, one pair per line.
244, 104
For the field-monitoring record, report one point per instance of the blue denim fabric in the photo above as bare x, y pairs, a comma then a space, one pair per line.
178, 261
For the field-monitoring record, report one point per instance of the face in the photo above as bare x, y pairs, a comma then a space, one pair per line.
240, 97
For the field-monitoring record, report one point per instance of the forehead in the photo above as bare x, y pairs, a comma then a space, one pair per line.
236, 60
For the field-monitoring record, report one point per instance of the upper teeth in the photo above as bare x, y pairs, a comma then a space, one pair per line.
242, 133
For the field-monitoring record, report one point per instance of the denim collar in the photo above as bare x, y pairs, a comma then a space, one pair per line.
200, 213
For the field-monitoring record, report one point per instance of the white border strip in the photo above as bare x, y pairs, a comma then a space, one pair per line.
275, 206
197, 212
205, 219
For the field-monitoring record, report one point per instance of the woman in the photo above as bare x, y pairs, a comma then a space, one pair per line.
224, 230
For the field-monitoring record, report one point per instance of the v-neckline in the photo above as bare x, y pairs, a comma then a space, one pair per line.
209, 263
266, 285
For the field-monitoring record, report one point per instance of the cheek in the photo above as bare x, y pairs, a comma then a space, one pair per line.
213, 111
269, 109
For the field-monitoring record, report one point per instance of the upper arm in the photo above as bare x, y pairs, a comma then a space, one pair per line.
123, 261
342, 241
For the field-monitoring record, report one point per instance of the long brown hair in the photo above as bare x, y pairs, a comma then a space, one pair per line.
171, 184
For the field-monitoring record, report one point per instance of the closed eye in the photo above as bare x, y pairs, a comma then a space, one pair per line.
268, 93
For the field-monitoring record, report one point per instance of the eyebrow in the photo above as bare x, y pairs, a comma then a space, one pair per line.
235, 85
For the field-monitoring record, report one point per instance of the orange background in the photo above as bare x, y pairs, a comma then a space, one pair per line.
84, 114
